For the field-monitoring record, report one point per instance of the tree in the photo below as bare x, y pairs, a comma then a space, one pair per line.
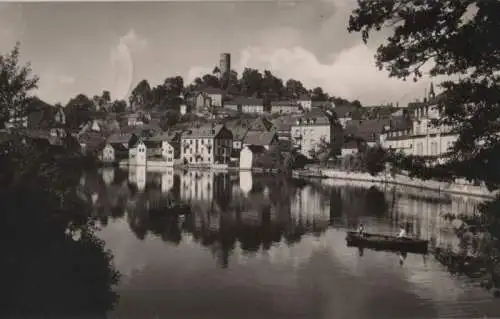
375, 159
294, 89
141, 96
16, 82
79, 111
251, 82
169, 119
318, 94
453, 38
271, 87
211, 80
119, 106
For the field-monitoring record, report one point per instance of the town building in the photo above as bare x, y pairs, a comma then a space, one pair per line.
368, 131
347, 113
246, 105
137, 152
305, 102
312, 129
285, 107
422, 137
265, 139
114, 152
206, 145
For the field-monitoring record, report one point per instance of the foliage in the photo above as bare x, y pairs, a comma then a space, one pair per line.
16, 82
49, 240
119, 106
79, 111
453, 38
169, 119
375, 159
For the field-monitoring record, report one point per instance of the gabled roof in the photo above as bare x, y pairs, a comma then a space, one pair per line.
261, 124
314, 117
119, 147
206, 131
369, 130
239, 131
259, 138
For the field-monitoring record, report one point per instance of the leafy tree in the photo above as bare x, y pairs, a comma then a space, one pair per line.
141, 96
294, 89
271, 87
216, 71
251, 82
169, 119
375, 159
55, 224
119, 106
317, 94
454, 38
79, 111
232, 84
211, 80
16, 82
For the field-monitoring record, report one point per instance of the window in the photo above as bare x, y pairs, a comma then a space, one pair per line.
434, 150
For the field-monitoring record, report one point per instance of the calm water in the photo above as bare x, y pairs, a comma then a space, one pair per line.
259, 246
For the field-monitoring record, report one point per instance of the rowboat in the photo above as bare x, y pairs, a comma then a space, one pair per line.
386, 242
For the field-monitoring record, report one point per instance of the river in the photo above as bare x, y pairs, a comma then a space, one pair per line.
261, 246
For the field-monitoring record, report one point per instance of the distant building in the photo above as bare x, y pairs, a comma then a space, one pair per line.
285, 107
246, 105
305, 102
346, 113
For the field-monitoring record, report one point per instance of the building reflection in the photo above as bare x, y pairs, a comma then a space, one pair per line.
251, 213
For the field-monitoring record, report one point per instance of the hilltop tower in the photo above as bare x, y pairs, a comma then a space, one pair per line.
225, 63
432, 95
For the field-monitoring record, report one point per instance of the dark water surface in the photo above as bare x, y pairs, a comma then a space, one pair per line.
259, 246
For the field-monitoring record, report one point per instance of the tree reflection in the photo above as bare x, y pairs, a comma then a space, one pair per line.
375, 202
478, 256
53, 264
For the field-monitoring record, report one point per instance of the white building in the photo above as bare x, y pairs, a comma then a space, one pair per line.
138, 153
308, 132
305, 102
422, 137
246, 105
285, 107
206, 145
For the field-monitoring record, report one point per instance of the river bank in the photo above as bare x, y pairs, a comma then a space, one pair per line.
459, 187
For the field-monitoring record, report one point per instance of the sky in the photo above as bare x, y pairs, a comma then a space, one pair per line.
88, 47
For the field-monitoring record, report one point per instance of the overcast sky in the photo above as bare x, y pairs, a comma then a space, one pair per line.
85, 47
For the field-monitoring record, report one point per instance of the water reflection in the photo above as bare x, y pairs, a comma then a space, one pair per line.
242, 219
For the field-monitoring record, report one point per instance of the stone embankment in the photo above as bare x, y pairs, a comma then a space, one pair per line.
459, 187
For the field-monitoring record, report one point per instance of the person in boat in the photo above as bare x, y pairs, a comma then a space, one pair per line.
361, 230
402, 232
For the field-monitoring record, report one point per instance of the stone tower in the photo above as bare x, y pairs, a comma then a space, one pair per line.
225, 63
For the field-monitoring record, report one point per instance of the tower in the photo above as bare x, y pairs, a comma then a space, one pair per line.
432, 95
225, 64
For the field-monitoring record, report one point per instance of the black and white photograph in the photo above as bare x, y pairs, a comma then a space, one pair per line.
257, 159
